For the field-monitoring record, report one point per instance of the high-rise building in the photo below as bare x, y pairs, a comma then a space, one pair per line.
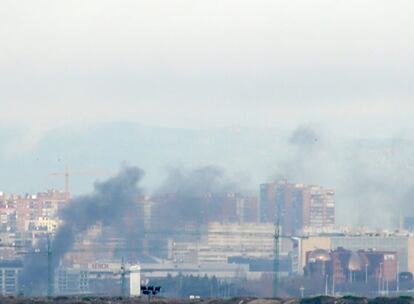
267, 209
321, 207
296, 206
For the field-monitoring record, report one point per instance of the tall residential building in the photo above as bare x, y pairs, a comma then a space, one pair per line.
20, 213
321, 207
228, 207
296, 206
267, 209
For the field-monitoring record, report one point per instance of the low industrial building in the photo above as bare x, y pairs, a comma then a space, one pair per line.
403, 245
106, 277
222, 241
343, 265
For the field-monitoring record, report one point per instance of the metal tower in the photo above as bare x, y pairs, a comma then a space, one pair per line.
49, 269
276, 238
123, 280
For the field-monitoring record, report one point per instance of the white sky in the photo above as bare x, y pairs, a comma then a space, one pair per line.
347, 64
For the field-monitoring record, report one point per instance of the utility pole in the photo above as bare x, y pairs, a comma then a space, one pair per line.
49, 269
398, 278
276, 244
276, 238
302, 291
380, 279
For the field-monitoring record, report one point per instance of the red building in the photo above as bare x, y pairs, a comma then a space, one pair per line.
19, 210
342, 265
296, 206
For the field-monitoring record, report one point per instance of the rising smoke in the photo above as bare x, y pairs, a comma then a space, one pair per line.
374, 175
187, 198
117, 204
367, 174
114, 203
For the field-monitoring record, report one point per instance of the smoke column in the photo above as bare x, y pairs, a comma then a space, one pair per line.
187, 197
112, 202
367, 174
184, 198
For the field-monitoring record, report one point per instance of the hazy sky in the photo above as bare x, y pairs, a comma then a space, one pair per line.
316, 91
347, 64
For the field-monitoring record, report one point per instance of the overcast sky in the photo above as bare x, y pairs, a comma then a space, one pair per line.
324, 88
347, 64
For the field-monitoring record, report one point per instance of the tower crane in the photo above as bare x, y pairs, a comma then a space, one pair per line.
67, 173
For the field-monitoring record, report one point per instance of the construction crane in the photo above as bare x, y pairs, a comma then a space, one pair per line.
67, 173
66, 176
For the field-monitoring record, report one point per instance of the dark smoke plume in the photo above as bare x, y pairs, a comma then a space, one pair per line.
184, 200
189, 198
114, 203
304, 149
304, 137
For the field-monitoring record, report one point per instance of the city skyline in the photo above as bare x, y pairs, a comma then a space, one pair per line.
209, 148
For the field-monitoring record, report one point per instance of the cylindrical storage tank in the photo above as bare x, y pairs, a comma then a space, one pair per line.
355, 262
135, 280
319, 255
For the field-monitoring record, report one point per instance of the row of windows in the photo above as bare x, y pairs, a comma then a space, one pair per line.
8, 273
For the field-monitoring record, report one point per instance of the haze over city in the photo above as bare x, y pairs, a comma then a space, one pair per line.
216, 107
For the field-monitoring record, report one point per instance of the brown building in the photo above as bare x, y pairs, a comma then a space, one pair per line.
196, 210
296, 206
16, 211
233, 208
342, 265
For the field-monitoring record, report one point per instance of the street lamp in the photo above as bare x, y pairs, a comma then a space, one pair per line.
302, 291
380, 278
398, 278
150, 291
